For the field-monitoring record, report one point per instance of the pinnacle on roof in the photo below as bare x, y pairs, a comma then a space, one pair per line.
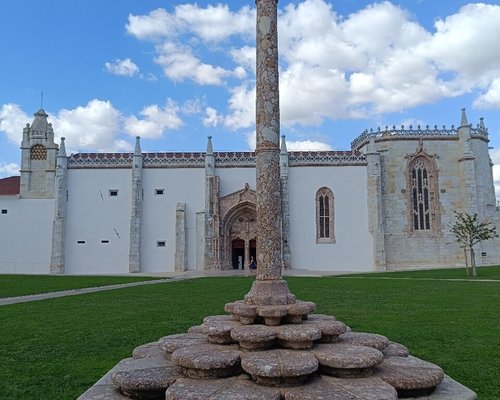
481, 123
62, 149
40, 123
463, 119
210, 149
283, 145
137, 150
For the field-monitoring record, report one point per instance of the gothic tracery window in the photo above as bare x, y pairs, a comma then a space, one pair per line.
325, 216
423, 205
38, 152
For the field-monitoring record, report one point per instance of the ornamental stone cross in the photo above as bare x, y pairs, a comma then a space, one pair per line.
268, 287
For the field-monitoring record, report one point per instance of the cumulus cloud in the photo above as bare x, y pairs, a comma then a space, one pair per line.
491, 98
293, 145
376, 60
8, 169
495, 158
94, 126
212, 117
180, 64
155, 121
122, 67
12, 122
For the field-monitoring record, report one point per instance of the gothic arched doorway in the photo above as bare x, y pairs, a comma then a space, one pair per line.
240, 231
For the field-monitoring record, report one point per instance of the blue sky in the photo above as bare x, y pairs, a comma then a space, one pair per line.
174, 72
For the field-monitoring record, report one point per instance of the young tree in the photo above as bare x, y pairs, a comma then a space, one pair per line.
468, 232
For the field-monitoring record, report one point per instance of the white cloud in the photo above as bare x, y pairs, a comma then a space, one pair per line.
156, 24
491, 98
495, 158
242, 106
307, 145
9, 169
94, 126
179, 64
12, 122
212, 24
212, 118
155, 122
122, 67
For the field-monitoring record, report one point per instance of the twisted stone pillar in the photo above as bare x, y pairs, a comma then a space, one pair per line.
268, 287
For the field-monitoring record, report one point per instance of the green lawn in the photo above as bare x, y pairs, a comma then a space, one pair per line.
452, 273
55, 349
21, 285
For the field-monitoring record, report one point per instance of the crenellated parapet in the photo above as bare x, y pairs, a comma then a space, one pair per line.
428, 132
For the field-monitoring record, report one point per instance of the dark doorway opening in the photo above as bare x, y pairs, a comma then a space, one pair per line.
238, 253
253, 249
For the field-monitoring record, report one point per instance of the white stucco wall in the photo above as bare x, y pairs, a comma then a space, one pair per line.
94, 216
353, 249
181, 185
26, 235
234, 179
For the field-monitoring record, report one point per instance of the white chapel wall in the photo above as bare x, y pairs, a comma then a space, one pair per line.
353, 249
180, 185
94, 217
234, 179
26, 235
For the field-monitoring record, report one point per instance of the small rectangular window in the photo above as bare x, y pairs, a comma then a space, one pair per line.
484, 254
159, 192
160, 243
113, 192
104, 241
4, 211
80, 241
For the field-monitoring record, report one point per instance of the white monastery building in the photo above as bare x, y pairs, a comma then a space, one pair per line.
386, 204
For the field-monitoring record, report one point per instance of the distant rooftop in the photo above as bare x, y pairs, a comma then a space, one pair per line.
10, 186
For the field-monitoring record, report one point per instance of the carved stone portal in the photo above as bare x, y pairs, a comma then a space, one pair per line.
238, 229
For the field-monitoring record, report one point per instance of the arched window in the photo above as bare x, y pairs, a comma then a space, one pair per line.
423, 205
38, 152
325, 216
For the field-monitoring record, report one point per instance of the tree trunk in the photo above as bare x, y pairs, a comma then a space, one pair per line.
473, 262
466, 261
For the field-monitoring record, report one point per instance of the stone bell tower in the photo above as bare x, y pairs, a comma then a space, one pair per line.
38, 159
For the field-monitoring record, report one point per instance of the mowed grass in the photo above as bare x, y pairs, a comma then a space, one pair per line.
22, 285
56, 349
452, 273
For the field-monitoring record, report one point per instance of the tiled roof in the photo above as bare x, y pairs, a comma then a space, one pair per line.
10, 186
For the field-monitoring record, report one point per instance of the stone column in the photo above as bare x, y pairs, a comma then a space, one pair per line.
285, 208
57, 259
268, 287
181, 263
136, 210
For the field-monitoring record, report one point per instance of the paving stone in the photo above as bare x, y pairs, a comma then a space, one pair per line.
327, 388
219, 332
196, 329
173, 342
103, 392
320, 317
254, 337
206, 361
297, 336
449, 389
149, 350
146, 383
374, 340
220, 389
330, 329
346, 356
410, 375
219, 318
279, 367
395, 350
